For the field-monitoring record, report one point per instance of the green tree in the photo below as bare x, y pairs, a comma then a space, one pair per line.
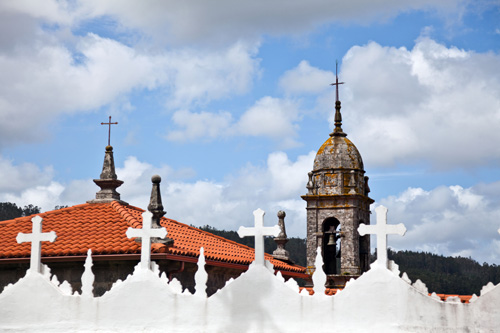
9, 211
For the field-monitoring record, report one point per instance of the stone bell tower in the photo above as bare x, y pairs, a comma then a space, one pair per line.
337, 202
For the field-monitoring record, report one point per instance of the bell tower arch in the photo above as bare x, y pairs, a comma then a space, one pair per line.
331, 245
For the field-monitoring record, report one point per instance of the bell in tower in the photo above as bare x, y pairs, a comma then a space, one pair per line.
337, 202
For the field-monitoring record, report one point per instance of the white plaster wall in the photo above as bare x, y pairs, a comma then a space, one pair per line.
258, 301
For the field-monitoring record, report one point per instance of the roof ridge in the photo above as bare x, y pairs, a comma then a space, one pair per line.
61, 210
266, 255
129, 218
211, 234
17, 219
43, 214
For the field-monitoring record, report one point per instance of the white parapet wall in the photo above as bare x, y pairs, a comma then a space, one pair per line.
257, 301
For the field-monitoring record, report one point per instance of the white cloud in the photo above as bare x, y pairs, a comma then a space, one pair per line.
16, 177
202, 22
48, 10
269, 117
41, 196
452, 221
199, 125
431, 103
204, 76
27, 183
230, 204
38, 85
45, 80
306, 79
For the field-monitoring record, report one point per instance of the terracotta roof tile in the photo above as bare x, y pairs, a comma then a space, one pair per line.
463, 298
102, 228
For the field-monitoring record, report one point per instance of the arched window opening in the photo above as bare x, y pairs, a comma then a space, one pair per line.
331, 246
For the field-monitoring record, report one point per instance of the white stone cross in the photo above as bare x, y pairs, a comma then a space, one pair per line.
259, 231
382, 229
36, 238
146, 233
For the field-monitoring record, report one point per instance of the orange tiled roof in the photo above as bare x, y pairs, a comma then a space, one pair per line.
102, 227
463, 298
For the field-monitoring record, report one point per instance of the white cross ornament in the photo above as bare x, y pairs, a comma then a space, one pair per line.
259, 231
36, 238
146, 233
382, 229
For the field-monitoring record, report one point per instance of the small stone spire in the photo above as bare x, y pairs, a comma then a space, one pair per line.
280, 253
156, 208
338, 116
310, 184
108, 181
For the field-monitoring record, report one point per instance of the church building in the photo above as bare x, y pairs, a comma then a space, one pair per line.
101, 224
337, 202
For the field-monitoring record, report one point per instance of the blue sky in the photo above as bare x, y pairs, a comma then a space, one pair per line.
229, 101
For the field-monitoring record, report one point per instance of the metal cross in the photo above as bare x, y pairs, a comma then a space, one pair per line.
146, 233
382, 229
36, 238
336, 84
259, 231
109, 129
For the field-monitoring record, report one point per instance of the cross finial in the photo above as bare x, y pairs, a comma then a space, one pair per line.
336, 84
382, 229
36, 238
337, 131
259, 231
146, 233
109, 123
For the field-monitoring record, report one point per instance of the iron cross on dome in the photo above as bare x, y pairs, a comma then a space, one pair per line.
337, 83
109, 123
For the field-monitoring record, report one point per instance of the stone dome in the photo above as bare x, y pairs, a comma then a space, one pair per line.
338, 152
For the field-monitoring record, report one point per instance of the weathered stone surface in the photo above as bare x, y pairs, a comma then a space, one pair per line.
156, 208
281, 253
338, 152
108, 181
338, 193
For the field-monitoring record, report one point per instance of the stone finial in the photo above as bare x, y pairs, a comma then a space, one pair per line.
156, 208
337, 131
367, 187
281, 224
108, 167
281, 253
310, 184
108, 181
